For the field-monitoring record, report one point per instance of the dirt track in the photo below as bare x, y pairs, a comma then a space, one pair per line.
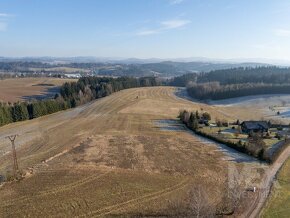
265, 188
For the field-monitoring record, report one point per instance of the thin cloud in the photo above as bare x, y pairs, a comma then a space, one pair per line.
5, 15
165, 25
172, 24
147, 32
282, 32
4, 19
3, 26
176, 2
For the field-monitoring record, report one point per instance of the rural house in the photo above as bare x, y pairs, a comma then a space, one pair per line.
254, 126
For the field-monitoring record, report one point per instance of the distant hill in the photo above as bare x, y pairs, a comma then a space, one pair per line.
114, 67
170, 68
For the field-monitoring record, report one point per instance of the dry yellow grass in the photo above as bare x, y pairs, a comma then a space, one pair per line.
278, 204
108, 158
13, 90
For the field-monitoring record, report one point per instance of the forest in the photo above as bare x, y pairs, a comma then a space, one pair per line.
215, 91
71, 95
236, 82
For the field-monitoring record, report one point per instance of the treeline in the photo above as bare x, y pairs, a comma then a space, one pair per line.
71, 95
182, 81
10, 113
268, 75
7, 76
237, 82
215, 91
17, 65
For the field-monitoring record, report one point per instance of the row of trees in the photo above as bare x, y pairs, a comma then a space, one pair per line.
215, 91
10, 113
71, 95
271, 75
268, 75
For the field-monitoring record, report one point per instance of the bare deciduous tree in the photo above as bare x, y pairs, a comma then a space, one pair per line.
200, 204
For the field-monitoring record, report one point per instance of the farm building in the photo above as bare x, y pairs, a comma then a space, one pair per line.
254, 126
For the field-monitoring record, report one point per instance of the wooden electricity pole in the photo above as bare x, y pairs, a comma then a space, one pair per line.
15, 162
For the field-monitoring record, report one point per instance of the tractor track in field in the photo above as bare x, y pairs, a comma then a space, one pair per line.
55, 191
131, 203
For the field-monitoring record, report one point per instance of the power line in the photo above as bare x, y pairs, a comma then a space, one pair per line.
12, 138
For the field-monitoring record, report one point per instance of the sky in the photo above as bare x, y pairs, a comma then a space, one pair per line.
223, 29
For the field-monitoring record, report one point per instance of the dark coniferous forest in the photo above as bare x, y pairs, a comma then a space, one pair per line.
237, 82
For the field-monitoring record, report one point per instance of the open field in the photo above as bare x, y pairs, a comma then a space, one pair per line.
109, 158
243, 108
257, 107
61, 69
13, 90
278, 204
263, 107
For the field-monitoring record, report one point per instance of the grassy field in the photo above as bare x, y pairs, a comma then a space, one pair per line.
13, 90
108, 158
278, 205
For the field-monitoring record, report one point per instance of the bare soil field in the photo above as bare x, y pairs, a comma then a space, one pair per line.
108, 158
20, 89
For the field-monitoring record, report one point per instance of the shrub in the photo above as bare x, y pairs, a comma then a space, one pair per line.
225, 123
278, 136
219, 123
206, 116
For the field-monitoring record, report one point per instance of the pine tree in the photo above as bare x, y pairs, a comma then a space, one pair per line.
20, 112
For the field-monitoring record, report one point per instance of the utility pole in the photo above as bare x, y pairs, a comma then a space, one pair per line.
15, 162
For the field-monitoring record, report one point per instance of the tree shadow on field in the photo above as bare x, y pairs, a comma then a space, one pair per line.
48, 93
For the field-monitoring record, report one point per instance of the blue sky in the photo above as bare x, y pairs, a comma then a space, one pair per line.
146, 28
